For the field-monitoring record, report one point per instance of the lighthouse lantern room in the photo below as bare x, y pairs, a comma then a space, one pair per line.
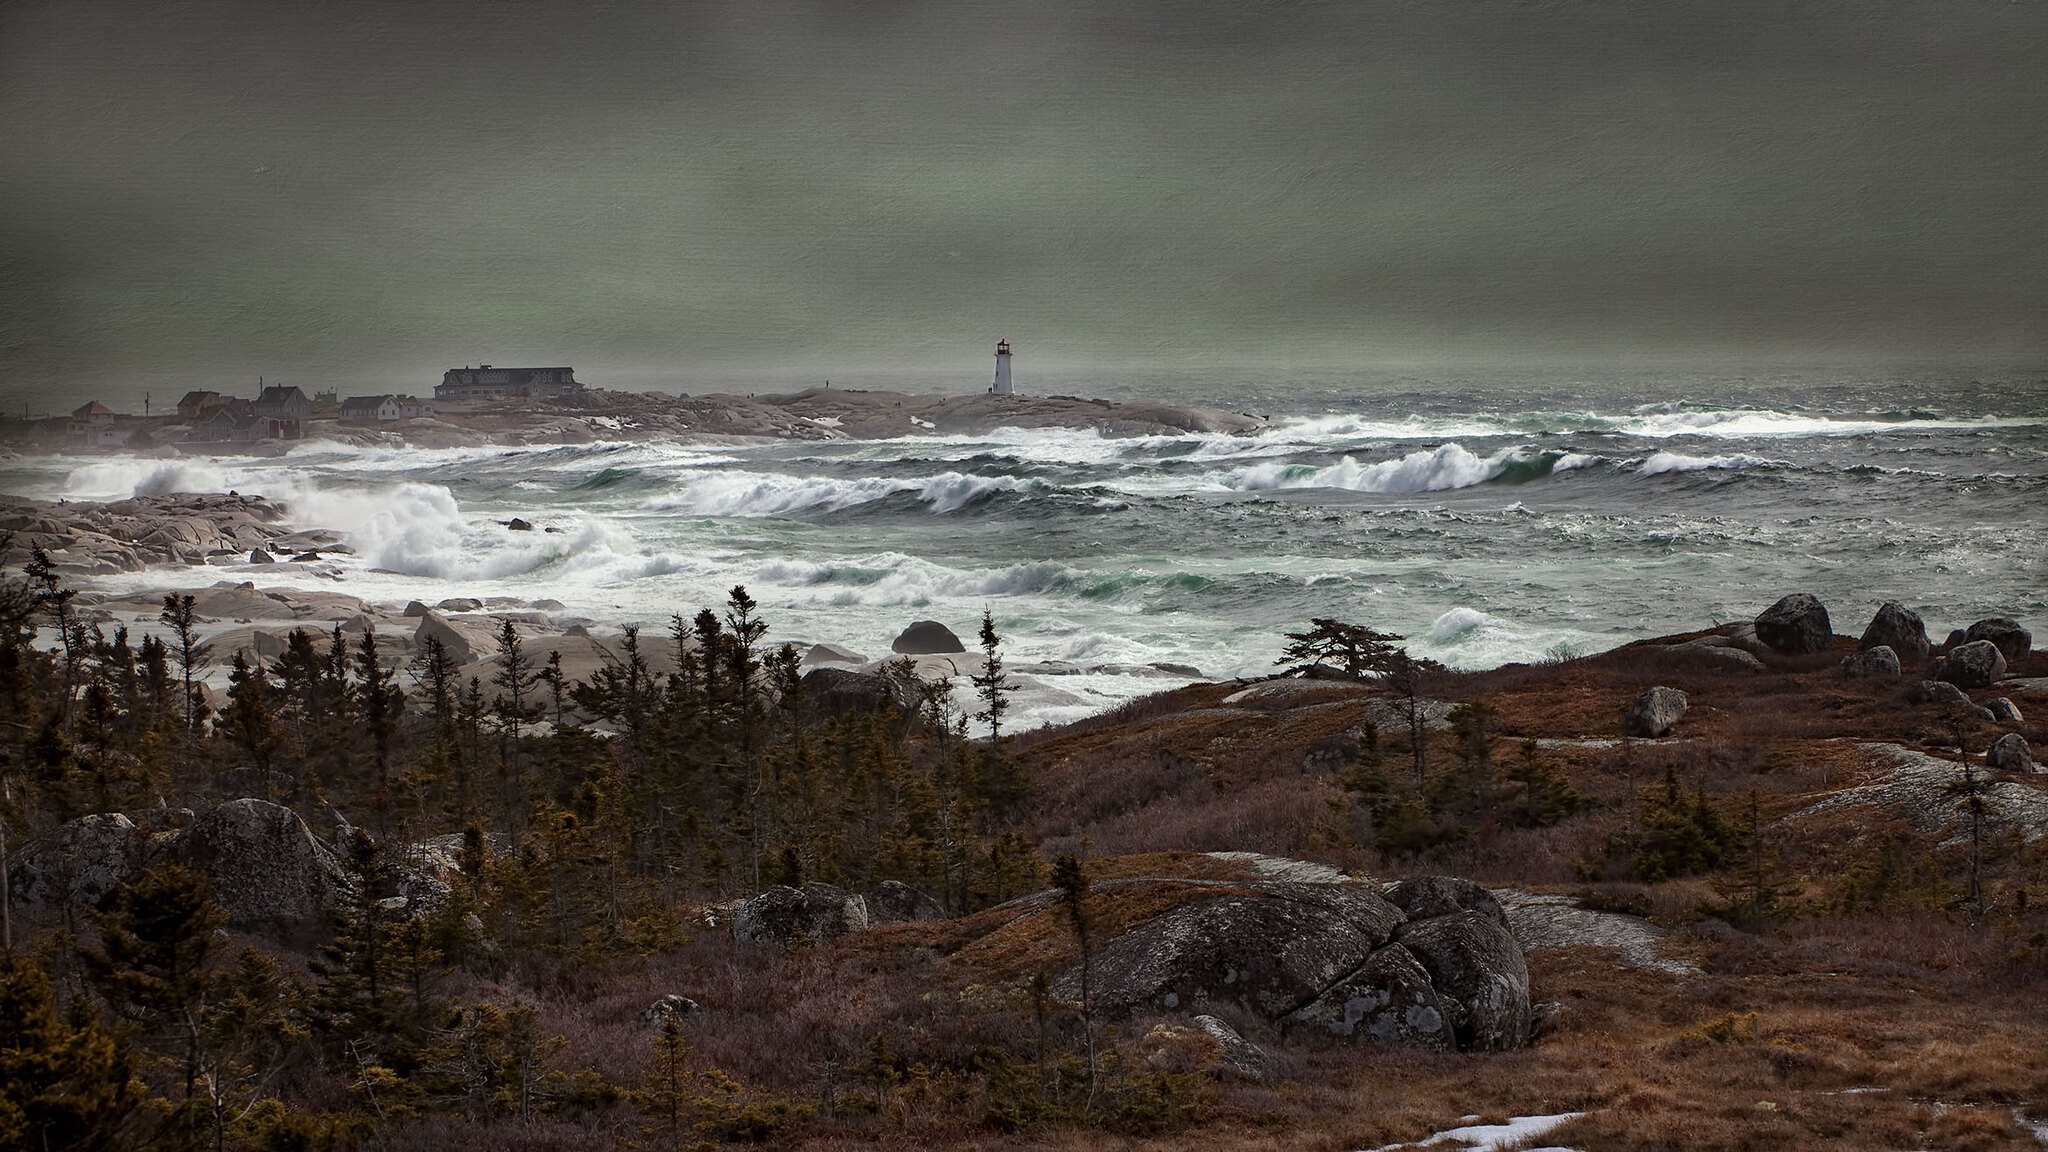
1002, 385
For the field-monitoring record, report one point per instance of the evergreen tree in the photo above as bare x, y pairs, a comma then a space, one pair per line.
65, 1083
991, 684
1355, 650
154, 964
181, 616
250, 719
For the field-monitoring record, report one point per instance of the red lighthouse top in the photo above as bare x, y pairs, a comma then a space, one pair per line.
1002, 347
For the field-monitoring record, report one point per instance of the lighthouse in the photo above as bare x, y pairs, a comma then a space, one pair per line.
1002, 385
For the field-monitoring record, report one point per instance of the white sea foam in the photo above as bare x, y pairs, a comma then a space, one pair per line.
768, 494
1445, 467
1658, 463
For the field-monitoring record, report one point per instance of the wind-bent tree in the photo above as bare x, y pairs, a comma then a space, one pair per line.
1353, 649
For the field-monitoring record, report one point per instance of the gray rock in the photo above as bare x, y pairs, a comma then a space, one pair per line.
1938, 692
266, 645
1879, 663
517, 525
266, 867
2005, 711
259, 556
432, 627
414, 610
832, 654
925, 638
1273, 952
1425, 897
1956, 638
1696, 657
894, 902
669, 1006
1977, 664
1331, 754
79, 861
1477, 969
460, 604
840, 692
2013, 641
1240, 1056
1798, 624
2009, 753
1389, 1000
816, 912
1187, 670
1655, 712
1900, 629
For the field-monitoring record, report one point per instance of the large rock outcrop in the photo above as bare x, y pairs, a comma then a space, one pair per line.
2012, 641
839, 692
1977, 664
927, 638
266, 869
1338, 958
1900, 629
1796, 624
783, 915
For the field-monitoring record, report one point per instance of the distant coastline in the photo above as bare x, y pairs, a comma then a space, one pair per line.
597, 414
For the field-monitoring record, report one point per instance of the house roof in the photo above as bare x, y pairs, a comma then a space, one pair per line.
199, 399
280, 394
371, 403
91, 408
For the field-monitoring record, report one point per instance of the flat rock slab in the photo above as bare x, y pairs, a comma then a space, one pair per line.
1558, 922
1923, 788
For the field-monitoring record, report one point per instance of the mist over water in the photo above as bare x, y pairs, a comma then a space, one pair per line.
1535, 523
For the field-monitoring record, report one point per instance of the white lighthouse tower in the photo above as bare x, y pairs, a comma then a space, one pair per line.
1002, 385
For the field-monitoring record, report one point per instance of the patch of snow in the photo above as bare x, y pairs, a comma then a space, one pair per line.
830, 421
922, 423
1492, 1137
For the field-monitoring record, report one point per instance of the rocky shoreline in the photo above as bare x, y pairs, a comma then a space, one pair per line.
813, 414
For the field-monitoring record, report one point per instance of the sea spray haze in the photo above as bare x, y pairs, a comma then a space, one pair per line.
1492, 519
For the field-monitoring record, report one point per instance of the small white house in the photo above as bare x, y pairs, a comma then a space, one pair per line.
370, 410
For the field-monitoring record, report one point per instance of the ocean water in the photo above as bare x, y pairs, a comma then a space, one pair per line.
1487, 518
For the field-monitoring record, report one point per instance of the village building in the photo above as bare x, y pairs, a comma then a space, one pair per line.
226, 425
198, 406
484, 382
414, 408
89, 417
281, 413
371, 410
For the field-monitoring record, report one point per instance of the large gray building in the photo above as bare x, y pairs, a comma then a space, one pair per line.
484, 382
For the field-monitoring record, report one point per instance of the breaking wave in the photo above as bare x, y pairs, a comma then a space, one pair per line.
767, 494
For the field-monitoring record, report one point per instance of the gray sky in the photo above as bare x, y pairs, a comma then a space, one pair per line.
670, 195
